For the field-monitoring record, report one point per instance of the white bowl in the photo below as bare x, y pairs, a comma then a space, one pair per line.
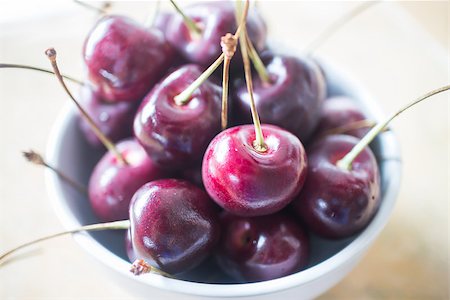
330, 261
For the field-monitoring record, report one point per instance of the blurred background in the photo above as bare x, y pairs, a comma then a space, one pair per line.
396, 50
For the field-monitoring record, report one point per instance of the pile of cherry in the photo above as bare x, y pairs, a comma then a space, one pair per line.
191, 190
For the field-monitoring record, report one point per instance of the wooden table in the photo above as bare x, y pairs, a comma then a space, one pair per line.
398, 51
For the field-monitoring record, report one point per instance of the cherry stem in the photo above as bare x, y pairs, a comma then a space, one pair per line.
37, 159
101, 10
150, 20
140, 267
228, 43
346, 162
15, 66
349, 127
331, 29
192, 26
51, 54
226, 75
116, 225
258, 144
185, 95
257, 62
254, 56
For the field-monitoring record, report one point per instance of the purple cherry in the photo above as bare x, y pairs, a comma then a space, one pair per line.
215, 19
261, 248
246, 182
115, 120
293, 98
338, 112
113, 184
174, 225
335, 202
175, 135
125, 59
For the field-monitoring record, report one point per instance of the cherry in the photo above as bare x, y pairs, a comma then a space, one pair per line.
176, 134
214, 19
339, 113
261, 248
292, 99
125, 59
115, 120
336, 202
248, 182
112, 183
174, 225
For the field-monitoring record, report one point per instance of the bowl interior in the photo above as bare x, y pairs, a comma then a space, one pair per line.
69, 152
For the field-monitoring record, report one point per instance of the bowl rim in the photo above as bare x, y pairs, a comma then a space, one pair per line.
333, 263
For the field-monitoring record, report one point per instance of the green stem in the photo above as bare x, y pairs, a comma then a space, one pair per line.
193, 27
259, 144
185, 95
15, 66
346, 162
94, 227
257, 62
51, 54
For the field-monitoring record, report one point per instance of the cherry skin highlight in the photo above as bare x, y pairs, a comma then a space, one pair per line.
293, 98
246, 182
175, 135
338, 112
115, 120
113, 184
261, 248
215, 19
174, 225
337, 203
124, 59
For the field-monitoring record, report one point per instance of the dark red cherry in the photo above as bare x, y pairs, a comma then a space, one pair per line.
261, 248
125, 59
174, 225
338, 112
115, 120
112, 184
246, 182
334, 202
174, 135
215, 19
292, 100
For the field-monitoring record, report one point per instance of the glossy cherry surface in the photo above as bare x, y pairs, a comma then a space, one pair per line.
261, 248
124, 59
293, 98
334, 202
250, 183
338, 112
215, 19
174, 135
112, 184
174, 225
115, 120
